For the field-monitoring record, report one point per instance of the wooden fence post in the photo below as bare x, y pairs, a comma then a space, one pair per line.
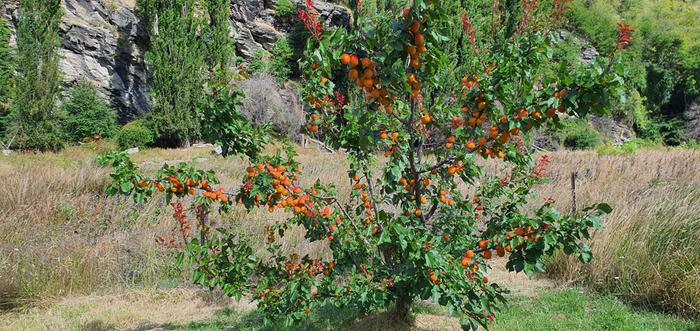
574, 175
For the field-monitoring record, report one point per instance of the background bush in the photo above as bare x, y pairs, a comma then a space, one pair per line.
579, 134
87, 113
278, 62
266, 103
285, 7
281, 61
260, 63
134, 134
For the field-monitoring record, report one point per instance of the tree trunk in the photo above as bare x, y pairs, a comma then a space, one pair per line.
402, 312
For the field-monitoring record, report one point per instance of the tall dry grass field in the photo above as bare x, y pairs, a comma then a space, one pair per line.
649, 251
60, 234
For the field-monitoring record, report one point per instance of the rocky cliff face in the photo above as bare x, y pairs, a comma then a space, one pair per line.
104, 42
256, 23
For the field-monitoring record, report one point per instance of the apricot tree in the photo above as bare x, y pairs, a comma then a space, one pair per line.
425, 218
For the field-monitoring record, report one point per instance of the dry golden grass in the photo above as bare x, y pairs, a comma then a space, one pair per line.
60, 235
128, 310
649, 250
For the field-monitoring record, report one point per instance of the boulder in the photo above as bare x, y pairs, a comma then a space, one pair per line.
615, 128
692, 117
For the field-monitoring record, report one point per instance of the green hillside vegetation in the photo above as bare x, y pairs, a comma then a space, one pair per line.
663, 62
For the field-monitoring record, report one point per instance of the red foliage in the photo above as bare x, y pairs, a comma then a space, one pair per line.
181, 217
469, 30
624, 38
560, 8
540, 169
529, 7
310, 19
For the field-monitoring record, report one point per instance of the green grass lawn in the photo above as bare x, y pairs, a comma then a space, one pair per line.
550, 310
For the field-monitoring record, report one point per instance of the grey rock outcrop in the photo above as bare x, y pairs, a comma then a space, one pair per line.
104, 42
256, 23
692, 117
616, 129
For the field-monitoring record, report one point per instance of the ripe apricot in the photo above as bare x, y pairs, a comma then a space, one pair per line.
465, 261
550, 112
470, 145
354, 60
433, 277
487, 254
519, 231
469, 254
415, 63
425, 119
481, 105
353, 74
419, 39
345, 58
500, 250
415, 25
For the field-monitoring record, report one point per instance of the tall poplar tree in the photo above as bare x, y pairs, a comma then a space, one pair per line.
176, 57
34, 122
219, 44
6, 73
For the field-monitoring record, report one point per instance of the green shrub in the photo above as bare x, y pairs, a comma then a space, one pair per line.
134, 134
260, 63
277, 62
281, 61
579, 134
285, 8
629, 147
87, 113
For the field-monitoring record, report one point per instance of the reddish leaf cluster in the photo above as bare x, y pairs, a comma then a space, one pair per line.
540, 169
624, 39
181, 217
560, 7
469, 30
310, 19
529, 7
